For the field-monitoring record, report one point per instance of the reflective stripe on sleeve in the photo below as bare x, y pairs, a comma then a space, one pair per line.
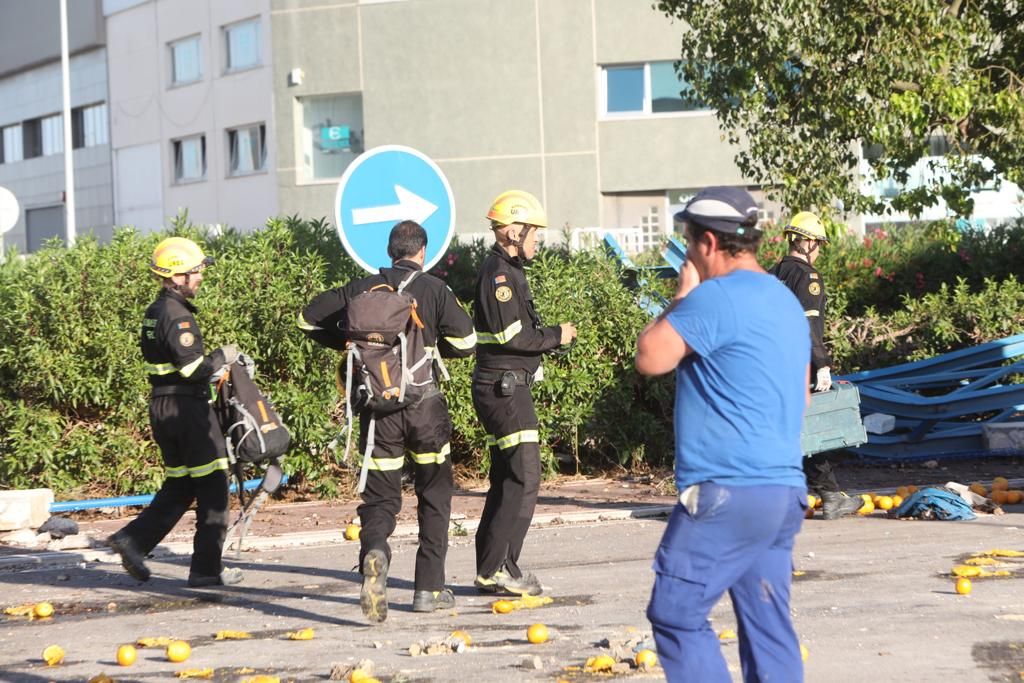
191, 367
303, 325
463, 343
813, 313
431, 458
208, 468
176, 472
160, 368
503, 337
510, 440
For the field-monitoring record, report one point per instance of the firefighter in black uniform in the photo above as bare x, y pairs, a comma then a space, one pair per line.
422, 430
805, 234
511, 340
183, 423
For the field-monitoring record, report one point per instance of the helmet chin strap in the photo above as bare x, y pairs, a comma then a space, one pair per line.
518, 243
805, 251
185, 288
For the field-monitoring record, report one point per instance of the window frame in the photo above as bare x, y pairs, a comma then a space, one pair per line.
175, 143
16, 134
261, 128
197, 38
648, 104
226, 44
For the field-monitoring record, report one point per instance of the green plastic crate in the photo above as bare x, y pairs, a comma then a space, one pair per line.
833, 420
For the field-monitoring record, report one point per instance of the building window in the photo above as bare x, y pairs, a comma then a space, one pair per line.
190, 159
646, 89
185, 61
332, 134
89, 126
242, 43
53, 134
247, 150
12, 144
32, 138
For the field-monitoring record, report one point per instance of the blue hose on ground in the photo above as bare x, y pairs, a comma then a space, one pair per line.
127, 501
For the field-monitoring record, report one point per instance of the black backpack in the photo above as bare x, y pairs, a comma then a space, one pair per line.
254, 434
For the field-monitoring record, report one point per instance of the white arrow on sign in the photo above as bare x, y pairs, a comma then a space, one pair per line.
410, 207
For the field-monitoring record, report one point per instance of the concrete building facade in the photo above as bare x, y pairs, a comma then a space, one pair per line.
573, 100
31, 120
192, 126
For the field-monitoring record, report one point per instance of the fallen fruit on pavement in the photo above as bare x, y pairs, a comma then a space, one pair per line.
53, 655
463, 636
160, 641
101, 678
261, 678
43, 610
358, 676
963, 586
868, 507
599, 663
1000, 483
966, 570
232, 635
302, 634
1014, 497
194, 673
178, 651
502, 606
726, 634
897, 500
804, 652
536, 634
126, 655
646, 659
352, 532
884, 503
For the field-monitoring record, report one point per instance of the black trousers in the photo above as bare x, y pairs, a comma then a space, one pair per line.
821, 478
513, 440
422, 431
195, 457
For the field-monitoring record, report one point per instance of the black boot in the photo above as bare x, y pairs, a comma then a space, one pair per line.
131, 557
835, 504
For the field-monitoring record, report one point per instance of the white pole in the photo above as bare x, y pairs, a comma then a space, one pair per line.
69, 152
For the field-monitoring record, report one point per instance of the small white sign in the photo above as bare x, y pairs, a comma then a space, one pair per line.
9, 210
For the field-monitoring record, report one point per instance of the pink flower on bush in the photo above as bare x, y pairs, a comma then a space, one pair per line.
867, 242
965, 255
919, 280
879, 272
776, 239
867, 263
881, 234
452, 258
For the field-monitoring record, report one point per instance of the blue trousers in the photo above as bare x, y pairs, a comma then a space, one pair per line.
739, 540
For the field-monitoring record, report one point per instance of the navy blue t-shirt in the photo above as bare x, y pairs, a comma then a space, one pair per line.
740, 396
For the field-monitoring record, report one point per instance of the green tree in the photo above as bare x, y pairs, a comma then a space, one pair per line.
802, 84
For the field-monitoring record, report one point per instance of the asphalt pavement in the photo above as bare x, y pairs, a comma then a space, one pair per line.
873, 599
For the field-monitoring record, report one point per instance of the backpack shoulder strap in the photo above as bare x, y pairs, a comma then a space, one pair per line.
405, 283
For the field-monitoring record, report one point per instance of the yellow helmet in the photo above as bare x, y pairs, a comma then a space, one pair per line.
178, 256
516, 206
807, 225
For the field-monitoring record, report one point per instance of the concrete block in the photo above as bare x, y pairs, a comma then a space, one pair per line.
24, 509
1003, 436
879, 423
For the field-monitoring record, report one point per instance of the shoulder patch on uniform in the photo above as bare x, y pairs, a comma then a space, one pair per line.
814, 288
503, 293
498, 279
813, 276
184, 325
186, 339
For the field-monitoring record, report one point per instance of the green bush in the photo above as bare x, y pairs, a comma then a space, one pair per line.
74, 398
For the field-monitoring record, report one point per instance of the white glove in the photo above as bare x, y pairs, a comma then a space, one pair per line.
824, 379
230, 352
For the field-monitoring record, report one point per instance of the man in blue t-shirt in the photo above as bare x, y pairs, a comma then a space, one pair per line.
737, 339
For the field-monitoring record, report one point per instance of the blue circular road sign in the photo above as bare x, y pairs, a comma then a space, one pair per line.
383, 186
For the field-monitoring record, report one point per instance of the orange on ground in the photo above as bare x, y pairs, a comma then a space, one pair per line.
884, 503
53, 655
43, 610
868, 507
537, 634
999, 496
963, 586
897, 500
352, 532
502, 606
1013, 497
901, 491
911, 489
126, 655
463, 636
979, 488
645, 659
178, 651
811, 501
1000, 483
358, 676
